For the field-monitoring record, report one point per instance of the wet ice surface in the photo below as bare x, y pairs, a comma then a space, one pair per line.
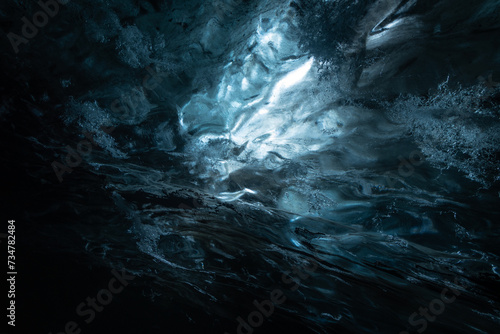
253, 156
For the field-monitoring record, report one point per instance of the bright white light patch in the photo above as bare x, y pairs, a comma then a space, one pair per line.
273, 37
263, 111
244, 84
291, 79
229, 197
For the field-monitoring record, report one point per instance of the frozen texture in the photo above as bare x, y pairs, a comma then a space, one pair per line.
250, 136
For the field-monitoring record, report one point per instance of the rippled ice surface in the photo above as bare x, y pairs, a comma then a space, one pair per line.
356, 139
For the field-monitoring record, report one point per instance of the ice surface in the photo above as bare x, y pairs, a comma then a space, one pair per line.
362, 134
